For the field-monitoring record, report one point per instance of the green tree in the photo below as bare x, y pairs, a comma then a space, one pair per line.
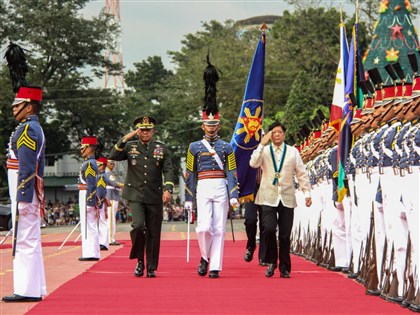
300, 106
311, 47
61, 44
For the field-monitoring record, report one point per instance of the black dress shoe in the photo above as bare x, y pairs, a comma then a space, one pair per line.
285, 274
249, 254
151, 273
88, 259
114, 243
414, 308
406, 303
335, 268
202, 268
214, 274
139, 271
103, 247
395, 299
352, 275
20, 298
373, 292
270, 270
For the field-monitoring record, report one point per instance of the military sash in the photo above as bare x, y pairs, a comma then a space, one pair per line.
213, 153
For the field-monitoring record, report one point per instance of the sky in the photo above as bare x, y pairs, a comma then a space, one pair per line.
153, 27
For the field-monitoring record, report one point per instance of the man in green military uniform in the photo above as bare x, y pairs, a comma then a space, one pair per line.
144, 190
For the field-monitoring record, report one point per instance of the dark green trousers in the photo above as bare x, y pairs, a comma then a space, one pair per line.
147, 226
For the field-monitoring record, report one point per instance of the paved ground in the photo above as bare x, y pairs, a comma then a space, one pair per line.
61, 265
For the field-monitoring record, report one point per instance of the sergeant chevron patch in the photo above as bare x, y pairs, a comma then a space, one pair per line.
24, 139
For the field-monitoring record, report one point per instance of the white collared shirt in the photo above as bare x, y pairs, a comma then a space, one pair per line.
284, 191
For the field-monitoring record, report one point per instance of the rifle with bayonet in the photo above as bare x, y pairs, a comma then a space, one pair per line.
409, 289
388, 271
372, 275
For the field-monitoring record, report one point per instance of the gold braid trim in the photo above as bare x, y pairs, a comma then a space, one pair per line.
25, 181
231, 162
117, 148
188, 191
190, 161
91, 195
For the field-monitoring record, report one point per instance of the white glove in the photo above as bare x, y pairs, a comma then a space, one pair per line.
188, 205
338, 206
234, 203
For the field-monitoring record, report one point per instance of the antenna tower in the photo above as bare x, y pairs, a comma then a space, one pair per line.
113, 8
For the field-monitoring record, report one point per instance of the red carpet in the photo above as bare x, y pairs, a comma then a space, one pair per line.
109, 287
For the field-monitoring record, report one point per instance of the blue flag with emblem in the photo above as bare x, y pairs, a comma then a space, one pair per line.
247, 133
354, 75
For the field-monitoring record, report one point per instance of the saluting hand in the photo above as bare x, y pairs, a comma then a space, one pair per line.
266, 138
130, 135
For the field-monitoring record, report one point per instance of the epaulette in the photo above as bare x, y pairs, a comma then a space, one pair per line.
393, 121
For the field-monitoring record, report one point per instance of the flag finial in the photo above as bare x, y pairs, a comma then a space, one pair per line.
263, 28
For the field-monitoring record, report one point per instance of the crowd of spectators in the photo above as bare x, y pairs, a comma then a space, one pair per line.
67, 213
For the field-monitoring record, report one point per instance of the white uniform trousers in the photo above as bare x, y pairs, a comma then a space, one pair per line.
311, 215
396, 227
28, 264
339, 239
366, 189
103, 226
411, 200
112, 220
355, 225
327, 213
89, 228
212, 210
12, 178
348, 208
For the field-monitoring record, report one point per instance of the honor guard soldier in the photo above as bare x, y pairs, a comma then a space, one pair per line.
88, 202
211, 165
113, 189
27, 152
144, 190
102, 204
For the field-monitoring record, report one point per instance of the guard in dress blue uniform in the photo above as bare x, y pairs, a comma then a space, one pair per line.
28, 148
113, 189
102, 204
88, 202
211, 165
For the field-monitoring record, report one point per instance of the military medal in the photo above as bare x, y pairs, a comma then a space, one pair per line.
273, 158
